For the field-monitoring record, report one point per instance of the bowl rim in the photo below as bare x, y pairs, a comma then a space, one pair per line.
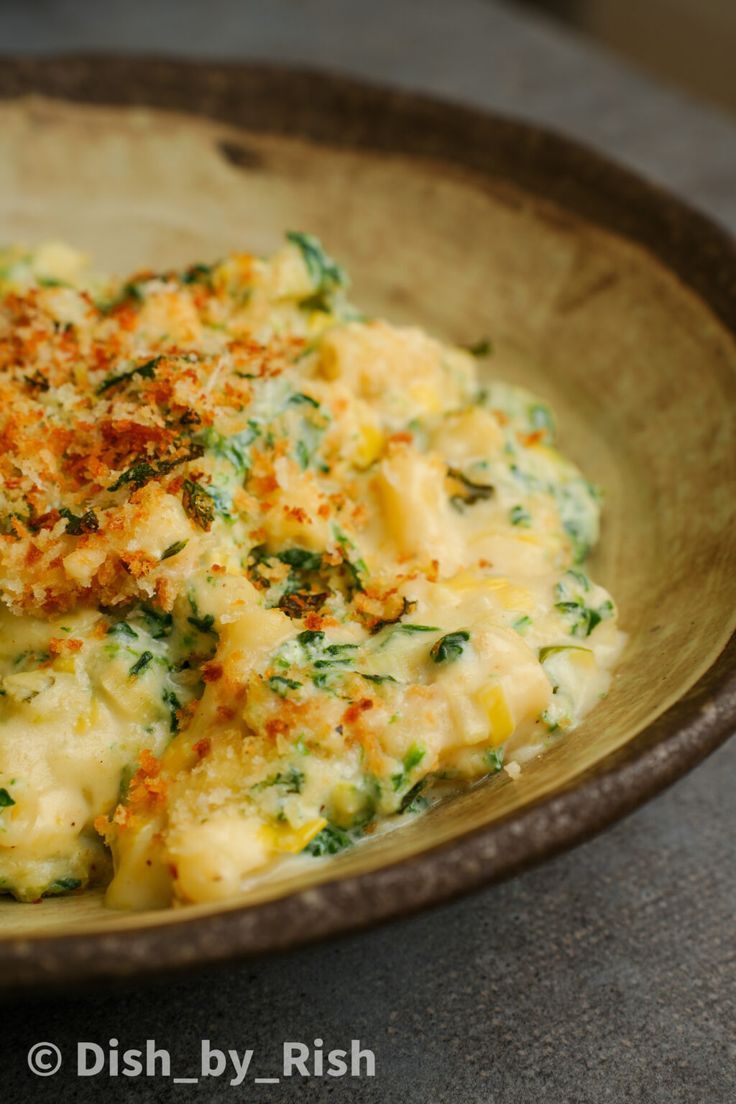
336, 110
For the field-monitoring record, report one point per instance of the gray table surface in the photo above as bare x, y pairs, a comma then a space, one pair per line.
606, 975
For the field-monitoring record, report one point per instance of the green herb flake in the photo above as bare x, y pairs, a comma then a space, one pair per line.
142, 471
144, 371
409, 628
522, 624
158, 624
281, 685
122, 628
302, 454
65, 885
336, 655
520, 517
174, 549
234, 448
5, 799
328, 842
77, 524
571, 592
198, 274
126, 776
493, 759
584, 618
449, 647
471, 492
310, 638
327, 276
170, 700
299, 398
198, 504
412, 759
205, 624
144, 660
413, 801
291, 781
300, 558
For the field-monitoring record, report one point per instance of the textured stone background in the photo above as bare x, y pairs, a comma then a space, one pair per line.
607, 975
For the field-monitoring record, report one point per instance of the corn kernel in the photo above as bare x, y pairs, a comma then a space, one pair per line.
291, 840
370, 446
493, 701
65, 663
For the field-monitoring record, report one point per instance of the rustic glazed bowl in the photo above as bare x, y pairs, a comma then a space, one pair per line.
609, 297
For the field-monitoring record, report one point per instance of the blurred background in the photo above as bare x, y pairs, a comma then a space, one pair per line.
688, 44
691, 43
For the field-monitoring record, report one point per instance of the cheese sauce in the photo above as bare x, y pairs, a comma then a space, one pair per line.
269, 572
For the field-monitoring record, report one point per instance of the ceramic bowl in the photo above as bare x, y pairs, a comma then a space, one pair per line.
606, 295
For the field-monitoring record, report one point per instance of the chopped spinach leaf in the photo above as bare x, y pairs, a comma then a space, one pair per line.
521, 624
198, 274
413, 801
157, 623
449, 647
76, 524
170, 699
301, 558
205, 624
470, 492
327, 276
121, 628
310, 638
494, 758
144, 660
143, 471
328, 842
300, 397
412, 759
234, 448
291, 781
281, 685
571, 592
65, 885
198, 504
336, 655
519, 515
145, 371
302, 454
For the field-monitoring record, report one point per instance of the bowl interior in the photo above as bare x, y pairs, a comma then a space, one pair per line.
638, 369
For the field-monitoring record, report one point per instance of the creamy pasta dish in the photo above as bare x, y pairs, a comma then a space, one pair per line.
271, 572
